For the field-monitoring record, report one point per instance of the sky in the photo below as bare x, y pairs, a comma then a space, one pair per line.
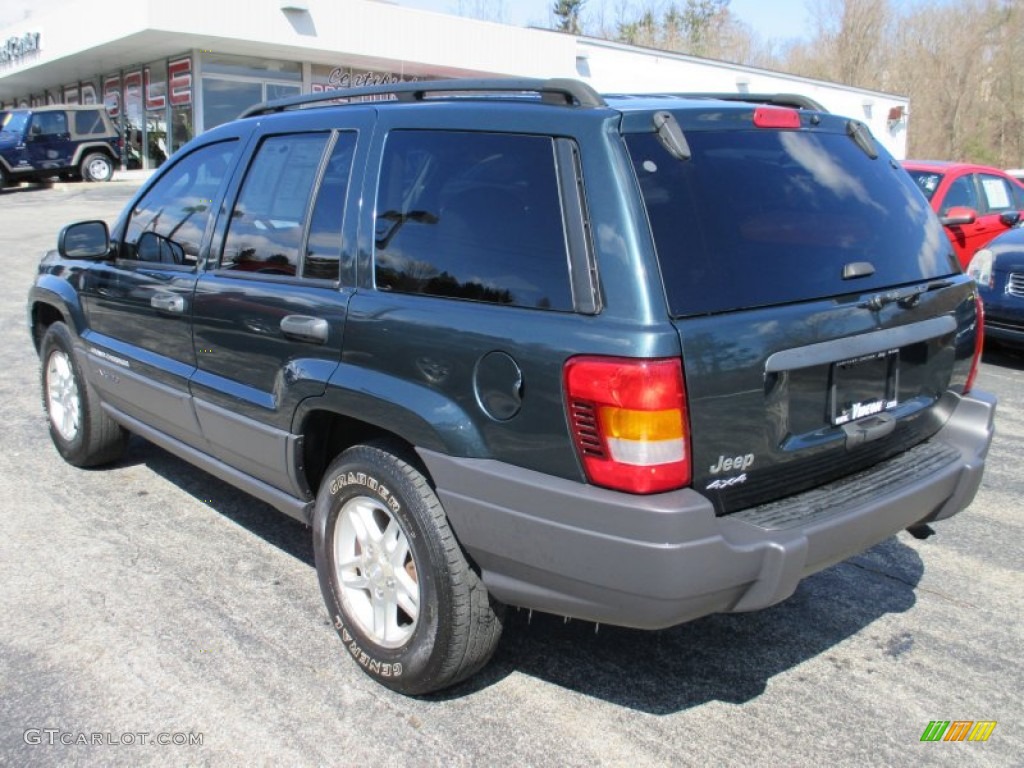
771, 19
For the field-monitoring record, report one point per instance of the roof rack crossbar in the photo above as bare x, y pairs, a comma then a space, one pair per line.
564, 91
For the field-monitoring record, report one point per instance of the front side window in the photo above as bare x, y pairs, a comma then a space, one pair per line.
176, 210
49, 124
961, 193
473, 216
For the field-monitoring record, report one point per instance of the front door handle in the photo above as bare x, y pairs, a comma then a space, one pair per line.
168, 302
305, 328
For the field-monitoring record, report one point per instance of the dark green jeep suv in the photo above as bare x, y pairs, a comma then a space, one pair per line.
629, 359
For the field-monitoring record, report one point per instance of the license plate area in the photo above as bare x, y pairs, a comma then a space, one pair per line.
863, 386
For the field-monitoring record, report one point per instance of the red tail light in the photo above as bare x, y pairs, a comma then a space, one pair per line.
629, 422
979, 344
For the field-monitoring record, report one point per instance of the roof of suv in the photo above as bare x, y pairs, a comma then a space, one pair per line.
560, 91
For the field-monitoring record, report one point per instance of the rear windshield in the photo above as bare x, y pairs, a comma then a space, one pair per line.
765, 217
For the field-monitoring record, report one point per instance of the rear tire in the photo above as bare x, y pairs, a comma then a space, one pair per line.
408, 606
82, 433
97, 167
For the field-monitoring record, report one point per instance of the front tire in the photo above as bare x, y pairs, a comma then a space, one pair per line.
408, 606
97, 167
82, 433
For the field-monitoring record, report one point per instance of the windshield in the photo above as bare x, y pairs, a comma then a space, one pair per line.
16, 122
760, 217
927, 181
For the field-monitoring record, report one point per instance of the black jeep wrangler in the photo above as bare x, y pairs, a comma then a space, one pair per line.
627, 359
66, 141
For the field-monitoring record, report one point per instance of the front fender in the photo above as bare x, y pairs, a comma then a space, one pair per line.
56, 293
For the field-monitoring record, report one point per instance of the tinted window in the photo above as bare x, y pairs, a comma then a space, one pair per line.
764, 217
324, 246
89, 121
472, 216
267, 222
177, 207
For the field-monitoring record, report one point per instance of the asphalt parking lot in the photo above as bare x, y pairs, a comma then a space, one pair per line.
152, 615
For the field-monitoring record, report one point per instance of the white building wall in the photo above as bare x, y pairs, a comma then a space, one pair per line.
382, 36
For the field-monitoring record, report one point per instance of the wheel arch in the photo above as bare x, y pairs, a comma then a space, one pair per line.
342, 418
52, 300
96, 146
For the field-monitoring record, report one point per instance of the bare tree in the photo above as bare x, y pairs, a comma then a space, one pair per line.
485, 10
697, 27
567, 12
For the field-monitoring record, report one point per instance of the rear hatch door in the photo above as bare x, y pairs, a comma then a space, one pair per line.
823, 319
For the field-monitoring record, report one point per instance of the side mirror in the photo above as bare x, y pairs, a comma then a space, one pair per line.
84, 240
957, 215
1010, 218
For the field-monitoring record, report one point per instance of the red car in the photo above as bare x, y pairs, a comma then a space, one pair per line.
974, 202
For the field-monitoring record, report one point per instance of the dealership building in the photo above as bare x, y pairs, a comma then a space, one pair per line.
167, 71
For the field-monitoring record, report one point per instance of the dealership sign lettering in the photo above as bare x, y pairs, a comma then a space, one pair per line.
343, 78
15, 47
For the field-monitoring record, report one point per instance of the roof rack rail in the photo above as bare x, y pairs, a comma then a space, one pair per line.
795, 100
558, 90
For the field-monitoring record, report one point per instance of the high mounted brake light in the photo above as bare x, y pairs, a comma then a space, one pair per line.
776, 117
629, 422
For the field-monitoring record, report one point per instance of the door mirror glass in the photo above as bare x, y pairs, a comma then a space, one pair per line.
84, 240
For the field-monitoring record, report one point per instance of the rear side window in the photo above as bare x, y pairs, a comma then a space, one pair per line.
268, 233
267, 222
999, 193
89, 121
472, 216
761, 217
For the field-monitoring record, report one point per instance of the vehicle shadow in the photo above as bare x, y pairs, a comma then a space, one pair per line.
284, 532
39, 186
725, 657
1003, 357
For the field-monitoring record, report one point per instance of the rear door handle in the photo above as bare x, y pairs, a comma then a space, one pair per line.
305, 328
168, 302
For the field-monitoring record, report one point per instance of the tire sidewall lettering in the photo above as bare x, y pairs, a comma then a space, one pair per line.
371, 664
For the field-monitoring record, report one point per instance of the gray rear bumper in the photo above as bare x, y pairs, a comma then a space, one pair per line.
654, 561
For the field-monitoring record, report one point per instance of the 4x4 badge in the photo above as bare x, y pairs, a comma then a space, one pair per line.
726, 482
